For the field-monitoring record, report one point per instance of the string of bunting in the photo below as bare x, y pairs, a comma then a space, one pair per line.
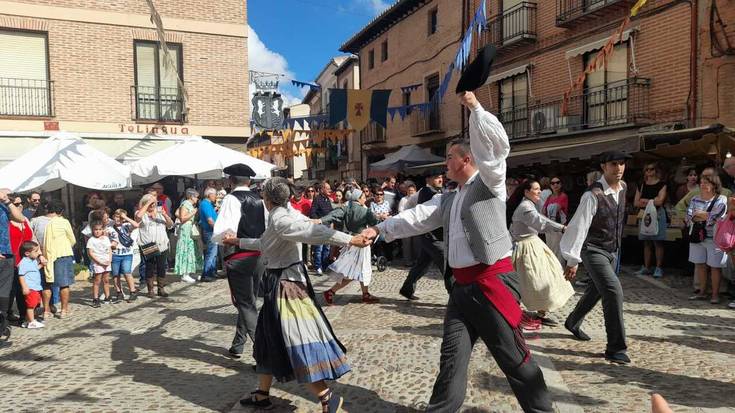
601, 58
299, 84
410, 88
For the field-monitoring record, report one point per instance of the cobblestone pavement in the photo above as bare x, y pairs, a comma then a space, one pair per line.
169, 355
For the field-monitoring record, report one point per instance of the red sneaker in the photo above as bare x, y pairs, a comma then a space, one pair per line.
329, 297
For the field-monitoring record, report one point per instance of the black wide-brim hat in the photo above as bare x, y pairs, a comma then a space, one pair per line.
239, 169
477, 72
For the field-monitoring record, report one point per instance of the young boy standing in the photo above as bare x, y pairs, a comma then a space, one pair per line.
29, 276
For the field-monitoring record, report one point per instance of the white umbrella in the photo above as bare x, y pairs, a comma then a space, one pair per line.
194, 156
64, 158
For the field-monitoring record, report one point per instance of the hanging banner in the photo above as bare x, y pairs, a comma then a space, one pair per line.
379, 107
337, 106
358, 108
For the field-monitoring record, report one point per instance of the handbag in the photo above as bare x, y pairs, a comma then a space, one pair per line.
150, 250
649, 223
698, 230
725, 234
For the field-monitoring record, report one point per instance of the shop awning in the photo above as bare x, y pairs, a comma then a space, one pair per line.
700, 142
506, 74
581, 148
597, 44
125, 148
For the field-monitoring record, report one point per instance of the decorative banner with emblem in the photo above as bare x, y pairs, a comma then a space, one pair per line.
267, 110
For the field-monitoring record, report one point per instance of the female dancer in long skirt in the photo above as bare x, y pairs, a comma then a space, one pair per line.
293, 338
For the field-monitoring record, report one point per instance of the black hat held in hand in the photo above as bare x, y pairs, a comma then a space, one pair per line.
476, 73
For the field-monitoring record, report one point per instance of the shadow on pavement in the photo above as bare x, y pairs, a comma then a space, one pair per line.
678, 389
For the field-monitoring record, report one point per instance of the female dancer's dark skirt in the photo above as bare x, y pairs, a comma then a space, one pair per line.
293, 338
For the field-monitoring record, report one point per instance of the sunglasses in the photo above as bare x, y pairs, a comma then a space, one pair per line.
309, 190
380, 194
555, 182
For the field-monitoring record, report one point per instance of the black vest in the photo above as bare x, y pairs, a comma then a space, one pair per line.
252, 218
606, 230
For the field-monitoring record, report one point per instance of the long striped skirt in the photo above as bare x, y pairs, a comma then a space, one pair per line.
293, 338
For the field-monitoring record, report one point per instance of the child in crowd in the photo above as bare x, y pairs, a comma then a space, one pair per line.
122, 253
99, 249
29, 275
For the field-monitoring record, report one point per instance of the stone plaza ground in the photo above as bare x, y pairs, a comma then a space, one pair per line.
170, 355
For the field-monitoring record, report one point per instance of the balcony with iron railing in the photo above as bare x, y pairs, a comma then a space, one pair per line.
373, 133
26, 97
426, 122
513, 28
571, 12
157, 104
622, 103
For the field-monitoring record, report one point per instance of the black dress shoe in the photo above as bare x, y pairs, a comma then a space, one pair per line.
549, 322
252, 401
207, 279
407, 295
577, 332
619, 358
234, 354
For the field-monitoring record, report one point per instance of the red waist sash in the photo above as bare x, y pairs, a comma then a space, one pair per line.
486, 277
242, 254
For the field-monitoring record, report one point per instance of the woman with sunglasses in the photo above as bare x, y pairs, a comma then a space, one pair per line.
556, 208
652, 189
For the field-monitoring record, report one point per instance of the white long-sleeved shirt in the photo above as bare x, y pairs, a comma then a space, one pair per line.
229, 215
490, 148
576, 233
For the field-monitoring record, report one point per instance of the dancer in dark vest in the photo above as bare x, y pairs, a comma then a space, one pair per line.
242, 214
593, 237
430, 245
483, 301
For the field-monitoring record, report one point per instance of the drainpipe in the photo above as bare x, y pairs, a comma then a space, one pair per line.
693, 59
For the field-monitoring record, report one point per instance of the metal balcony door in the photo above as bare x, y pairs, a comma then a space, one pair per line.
606, 96
24, 82
514, 21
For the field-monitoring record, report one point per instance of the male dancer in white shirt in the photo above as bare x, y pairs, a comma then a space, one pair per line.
478, 250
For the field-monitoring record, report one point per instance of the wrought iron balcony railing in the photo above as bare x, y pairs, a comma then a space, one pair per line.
160, 104
426, 122
515, 26
573, 11
373, 133
625, 102
26, 97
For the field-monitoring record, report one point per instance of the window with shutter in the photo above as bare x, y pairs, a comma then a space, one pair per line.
606, 94
157, 92
514, 105
25, 89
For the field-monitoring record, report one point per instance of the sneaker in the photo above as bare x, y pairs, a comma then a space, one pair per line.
33, 324
119, 297
95, 304
133, 296
658, 272
187, 279
102, 297
581, 283
643, 271
731, 305
234, 354
319, 272
697, 297
618, 358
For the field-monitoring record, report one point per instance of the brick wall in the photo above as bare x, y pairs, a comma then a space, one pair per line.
717, 78
93, 70
412, 57
662, 49
224, 11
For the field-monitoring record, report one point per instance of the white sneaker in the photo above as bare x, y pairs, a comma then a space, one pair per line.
33, 324
187, 279
102, 297
319, 271
732, 304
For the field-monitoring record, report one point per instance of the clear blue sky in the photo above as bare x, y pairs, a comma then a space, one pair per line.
305, 33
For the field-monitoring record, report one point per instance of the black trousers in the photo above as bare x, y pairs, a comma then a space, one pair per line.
470, 316
243, 276
429, 251
16, 294
155, 267
7, 277
604, 285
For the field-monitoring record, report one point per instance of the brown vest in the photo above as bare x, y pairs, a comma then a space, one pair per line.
606, 230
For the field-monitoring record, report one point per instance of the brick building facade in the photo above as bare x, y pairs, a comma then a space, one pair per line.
94, 67
664, 83
412, 43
